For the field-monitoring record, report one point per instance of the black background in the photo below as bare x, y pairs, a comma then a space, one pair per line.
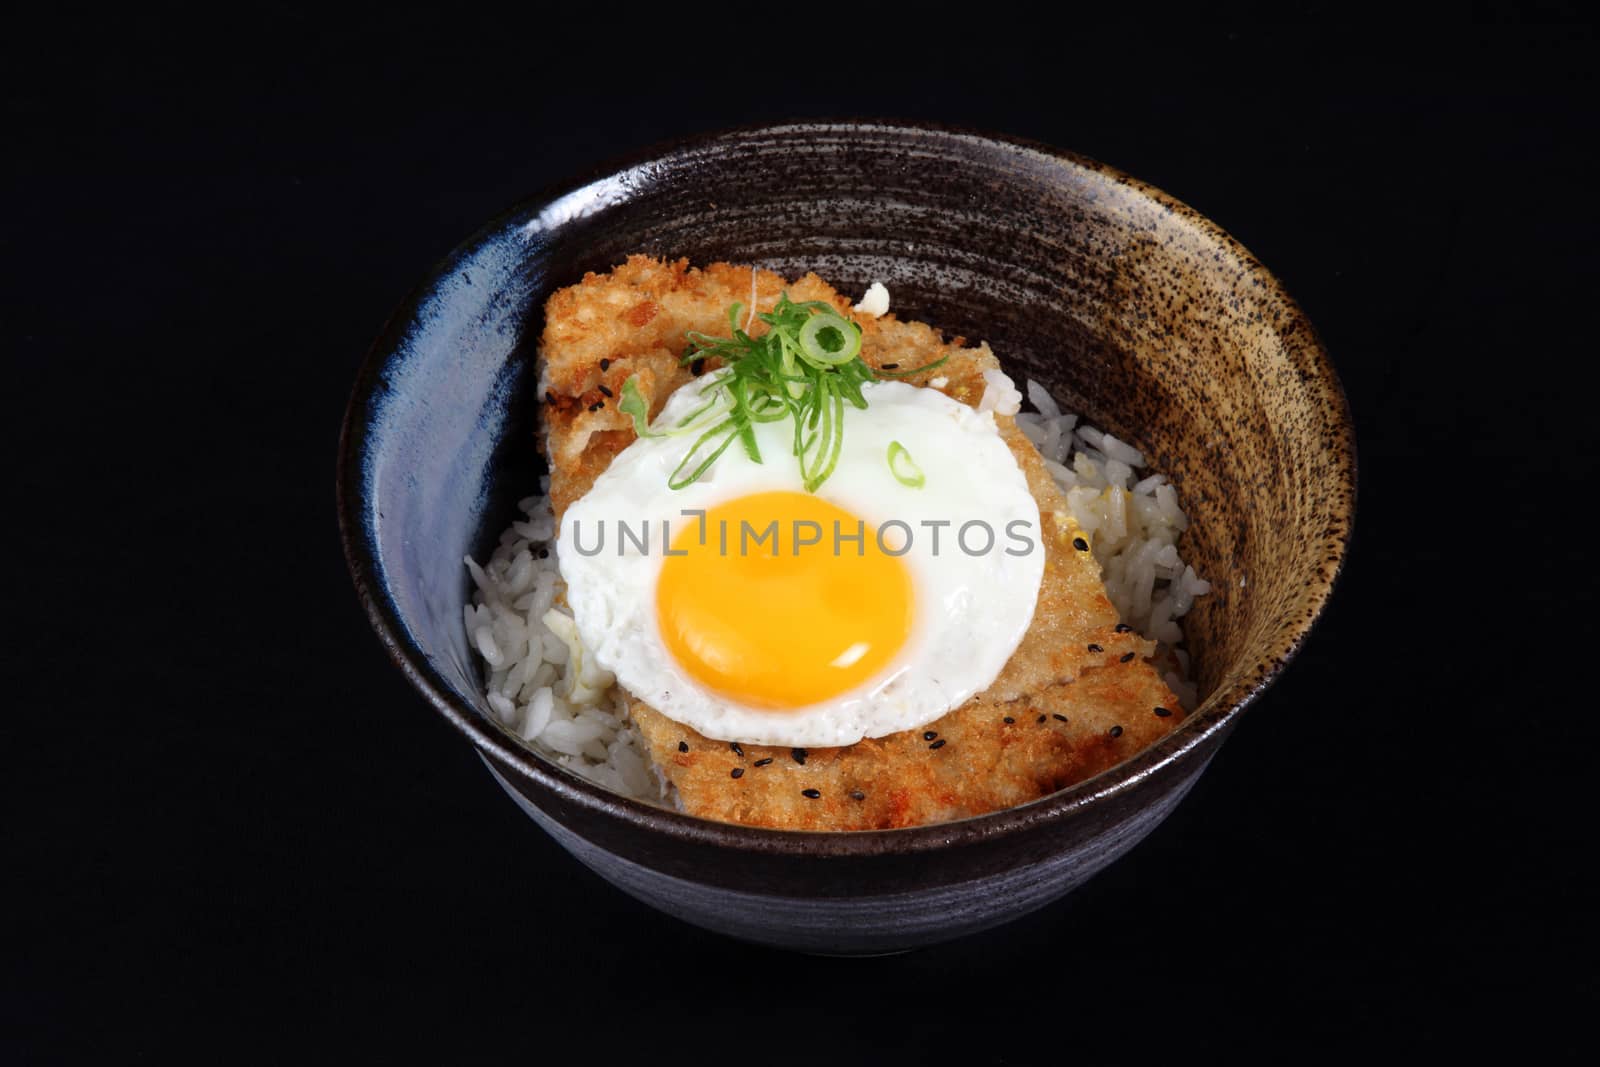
230, 826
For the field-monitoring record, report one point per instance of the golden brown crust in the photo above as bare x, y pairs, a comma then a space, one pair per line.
991, 757
1071, 663
631, 321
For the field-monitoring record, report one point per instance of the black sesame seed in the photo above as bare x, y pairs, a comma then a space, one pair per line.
1009, 720
1041, 718
1116, 731
929, 735
856, 794
1123, 628
799, 755
1127, 657
1063, 718
606, 392
549, 396
811, 794
683, 746
737, 772
763, 762
605, 364
1096, 648
891, 366
936, 744
698, 367
1080, 544
597, 405
737, 751
1163, 712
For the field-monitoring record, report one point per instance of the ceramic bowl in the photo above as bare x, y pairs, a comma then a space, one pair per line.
1132, 308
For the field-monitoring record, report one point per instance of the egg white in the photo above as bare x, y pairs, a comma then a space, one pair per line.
971, 610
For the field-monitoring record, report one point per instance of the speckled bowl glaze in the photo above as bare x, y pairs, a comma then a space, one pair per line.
1134, 309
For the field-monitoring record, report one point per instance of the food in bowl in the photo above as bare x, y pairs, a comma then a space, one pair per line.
828, 666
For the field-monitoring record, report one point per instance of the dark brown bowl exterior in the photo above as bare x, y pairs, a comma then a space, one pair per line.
1135, 310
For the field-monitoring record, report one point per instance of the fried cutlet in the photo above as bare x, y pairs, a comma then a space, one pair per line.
1077, 696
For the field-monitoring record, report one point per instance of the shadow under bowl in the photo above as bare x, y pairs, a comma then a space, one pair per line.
1133, 309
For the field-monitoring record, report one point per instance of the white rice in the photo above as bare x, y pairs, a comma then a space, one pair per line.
542, 687
1133, 525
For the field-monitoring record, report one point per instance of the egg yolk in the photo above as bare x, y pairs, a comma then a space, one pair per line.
780, 600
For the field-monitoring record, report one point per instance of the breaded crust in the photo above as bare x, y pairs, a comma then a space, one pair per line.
981, 758
1080, 695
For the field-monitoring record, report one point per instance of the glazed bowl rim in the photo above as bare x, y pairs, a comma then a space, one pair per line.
1215, 715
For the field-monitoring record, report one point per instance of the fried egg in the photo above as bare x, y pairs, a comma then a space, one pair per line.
751, 610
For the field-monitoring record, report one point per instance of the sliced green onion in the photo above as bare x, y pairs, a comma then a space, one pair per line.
692, 420
789, 367
728, 430
829, 437
633, 403
742, 416
829, 339
913, 371
904, 469
804, 367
